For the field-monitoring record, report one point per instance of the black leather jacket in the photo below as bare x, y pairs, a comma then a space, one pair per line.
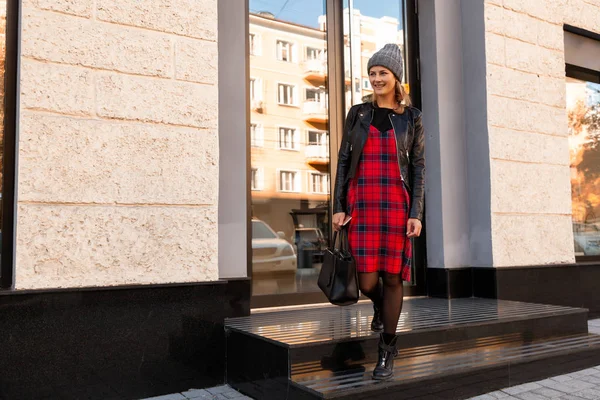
408, 128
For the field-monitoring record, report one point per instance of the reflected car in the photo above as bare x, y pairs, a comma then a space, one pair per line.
587, 238
313, 237
270, 252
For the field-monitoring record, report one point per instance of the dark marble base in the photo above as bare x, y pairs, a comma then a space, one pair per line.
574, 285
449, 283
116, 343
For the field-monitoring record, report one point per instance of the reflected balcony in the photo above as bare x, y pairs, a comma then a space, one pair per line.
315, 112
317, 154
258, 106
315, 71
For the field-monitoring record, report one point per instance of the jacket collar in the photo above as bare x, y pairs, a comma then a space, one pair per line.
365, 115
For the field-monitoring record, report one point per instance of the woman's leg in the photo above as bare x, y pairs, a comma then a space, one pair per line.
393, 296
392, 305
370, 286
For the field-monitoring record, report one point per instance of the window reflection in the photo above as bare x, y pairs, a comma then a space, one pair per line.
290, 138
368, 26
289, 144
583, 107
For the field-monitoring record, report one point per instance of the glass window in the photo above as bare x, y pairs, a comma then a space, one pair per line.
313, 53
319, 183
252, 89
312, 94
256, 179
583, 109
287, 139
254, 45
256, 135
294, 114
372, 26
285, 51
288, 181
286, 94
291, 77
317, 138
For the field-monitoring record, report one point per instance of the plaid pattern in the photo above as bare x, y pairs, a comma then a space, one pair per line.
378, 203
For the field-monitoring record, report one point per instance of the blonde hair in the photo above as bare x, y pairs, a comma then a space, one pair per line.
402, 98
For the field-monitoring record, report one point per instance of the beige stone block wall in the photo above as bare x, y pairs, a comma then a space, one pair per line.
527, 123
118, 146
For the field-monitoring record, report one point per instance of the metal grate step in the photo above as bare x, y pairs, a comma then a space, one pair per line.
454, 358
300, 327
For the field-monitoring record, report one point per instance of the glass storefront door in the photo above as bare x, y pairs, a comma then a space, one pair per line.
290, 144
290, 138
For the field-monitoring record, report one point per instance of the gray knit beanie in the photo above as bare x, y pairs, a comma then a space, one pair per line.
390, 57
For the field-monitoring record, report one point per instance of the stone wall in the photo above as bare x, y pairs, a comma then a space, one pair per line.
527, 121
118, 146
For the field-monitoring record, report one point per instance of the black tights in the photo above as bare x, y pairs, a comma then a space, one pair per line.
389, 299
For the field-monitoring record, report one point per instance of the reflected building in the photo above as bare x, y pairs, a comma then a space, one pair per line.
363, 36
289, 133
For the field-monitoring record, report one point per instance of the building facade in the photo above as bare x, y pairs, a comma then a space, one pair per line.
168, 164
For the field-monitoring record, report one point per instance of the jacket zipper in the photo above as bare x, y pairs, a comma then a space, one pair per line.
398, 155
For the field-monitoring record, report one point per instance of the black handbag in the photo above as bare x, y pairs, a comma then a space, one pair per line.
338, 278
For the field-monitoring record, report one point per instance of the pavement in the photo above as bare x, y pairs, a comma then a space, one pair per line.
580, 385
224, 392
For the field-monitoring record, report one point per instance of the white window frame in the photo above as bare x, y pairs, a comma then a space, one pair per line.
259, 181
291, 50
321, 94
293, 95
319, 52
256, 91
255, 47
257, 135
325, 134
295, 138
324, 184
297, 181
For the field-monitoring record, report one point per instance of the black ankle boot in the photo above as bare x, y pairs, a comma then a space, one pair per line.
376, 323
385, 362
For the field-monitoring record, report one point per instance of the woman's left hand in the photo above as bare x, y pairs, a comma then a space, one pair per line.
413, 227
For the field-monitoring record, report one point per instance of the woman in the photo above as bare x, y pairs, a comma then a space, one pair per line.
379, 192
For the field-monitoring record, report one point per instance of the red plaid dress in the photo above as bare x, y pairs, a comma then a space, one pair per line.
378, 203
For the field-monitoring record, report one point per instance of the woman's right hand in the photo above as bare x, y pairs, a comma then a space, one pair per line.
338, 220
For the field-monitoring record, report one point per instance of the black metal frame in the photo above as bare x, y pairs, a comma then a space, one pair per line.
581, 32
9, 167
419, 287
336, 83
585, 74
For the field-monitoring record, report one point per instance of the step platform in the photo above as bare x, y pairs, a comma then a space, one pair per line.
449, 349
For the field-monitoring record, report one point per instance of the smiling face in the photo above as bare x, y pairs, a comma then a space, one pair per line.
382, 80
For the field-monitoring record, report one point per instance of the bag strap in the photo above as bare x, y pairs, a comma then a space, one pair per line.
343, 236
